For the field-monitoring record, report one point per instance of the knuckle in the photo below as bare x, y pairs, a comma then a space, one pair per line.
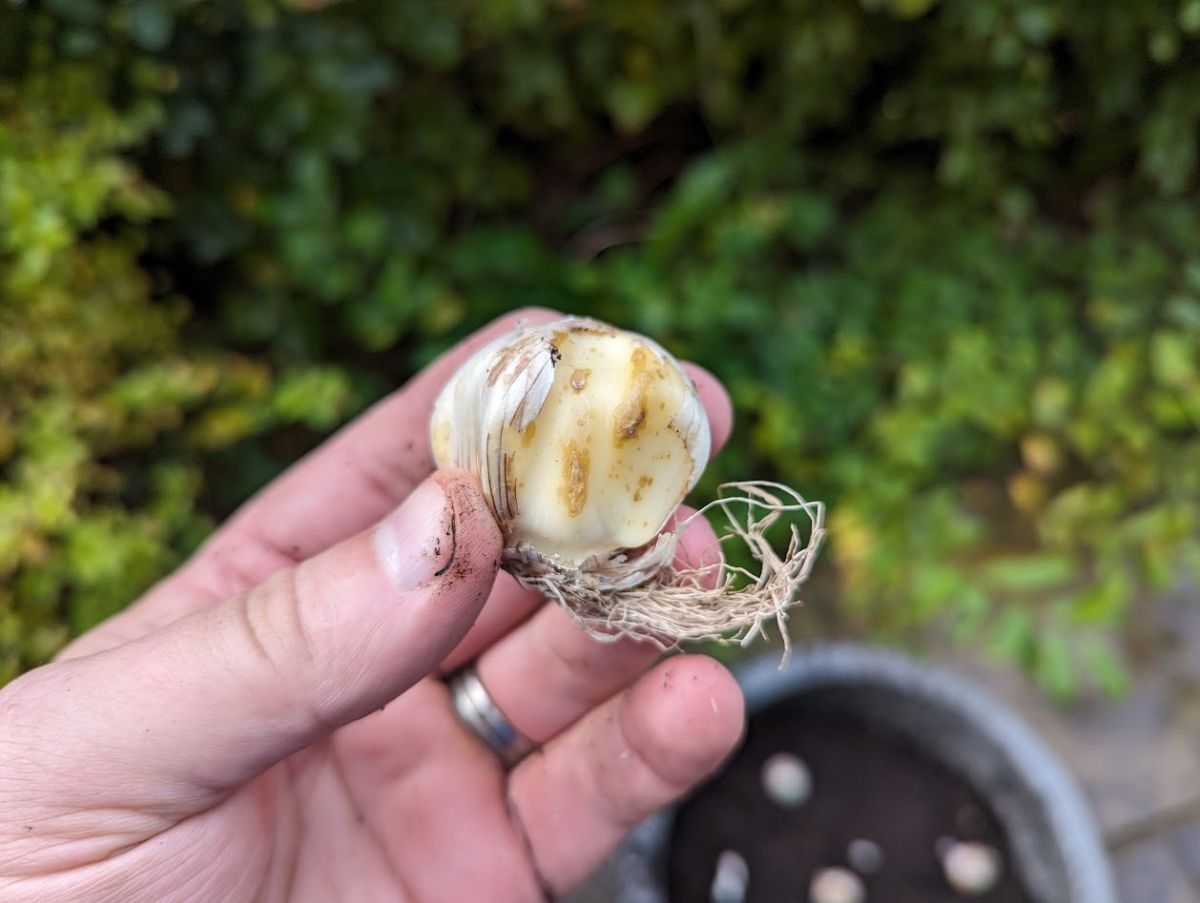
273, 624
391, 473
237, 559
23, 701
15, 706
276, 630
31, 708
573, 669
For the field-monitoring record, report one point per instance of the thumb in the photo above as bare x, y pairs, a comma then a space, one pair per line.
219, 696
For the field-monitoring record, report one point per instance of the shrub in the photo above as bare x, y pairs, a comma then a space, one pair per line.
105, 415
944, 253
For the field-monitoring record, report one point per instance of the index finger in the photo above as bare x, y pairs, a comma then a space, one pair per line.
364, 471
372, 465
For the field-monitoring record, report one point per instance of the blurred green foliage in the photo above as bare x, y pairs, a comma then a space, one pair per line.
945, 254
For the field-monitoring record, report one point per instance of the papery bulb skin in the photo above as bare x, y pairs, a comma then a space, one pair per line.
586, 438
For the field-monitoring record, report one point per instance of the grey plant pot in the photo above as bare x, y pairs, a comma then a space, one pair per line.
1055, 842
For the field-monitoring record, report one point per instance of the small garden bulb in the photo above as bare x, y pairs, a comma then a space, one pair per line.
731, 878
585, 439
864, 856
786, 779
589, 437
836, 885
971, 868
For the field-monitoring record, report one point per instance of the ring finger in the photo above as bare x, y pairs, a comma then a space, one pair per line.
547, 673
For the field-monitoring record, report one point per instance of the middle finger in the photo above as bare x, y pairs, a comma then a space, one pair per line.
547, 673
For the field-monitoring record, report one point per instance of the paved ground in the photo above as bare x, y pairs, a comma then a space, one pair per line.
1137, 759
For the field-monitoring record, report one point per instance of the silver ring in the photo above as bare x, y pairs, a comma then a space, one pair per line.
484, 719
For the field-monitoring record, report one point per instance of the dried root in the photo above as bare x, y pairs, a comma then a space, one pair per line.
721, 602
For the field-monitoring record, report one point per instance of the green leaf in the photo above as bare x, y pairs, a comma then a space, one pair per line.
1173, 359
1054, 667
1029, 573
1105, 666
314, 396
1013, 637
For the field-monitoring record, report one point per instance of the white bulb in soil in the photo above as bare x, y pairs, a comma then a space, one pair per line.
731, 878
864, 856
971, 868
786, 779
836, 885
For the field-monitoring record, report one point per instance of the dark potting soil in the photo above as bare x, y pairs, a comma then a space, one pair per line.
867, 783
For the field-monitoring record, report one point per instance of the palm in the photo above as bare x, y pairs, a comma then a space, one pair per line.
359, 811
262, 725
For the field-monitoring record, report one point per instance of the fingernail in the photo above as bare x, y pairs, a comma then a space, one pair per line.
415, 543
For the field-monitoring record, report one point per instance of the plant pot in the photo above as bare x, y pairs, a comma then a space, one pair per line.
909, 756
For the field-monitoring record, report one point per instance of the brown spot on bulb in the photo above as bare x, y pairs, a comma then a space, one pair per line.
528, 433
574, 490
629, 423
579, 378
643, 483
630, 415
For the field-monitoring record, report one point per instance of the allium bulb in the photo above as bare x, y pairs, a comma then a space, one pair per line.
586, 439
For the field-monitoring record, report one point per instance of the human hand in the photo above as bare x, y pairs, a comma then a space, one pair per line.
271, 721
